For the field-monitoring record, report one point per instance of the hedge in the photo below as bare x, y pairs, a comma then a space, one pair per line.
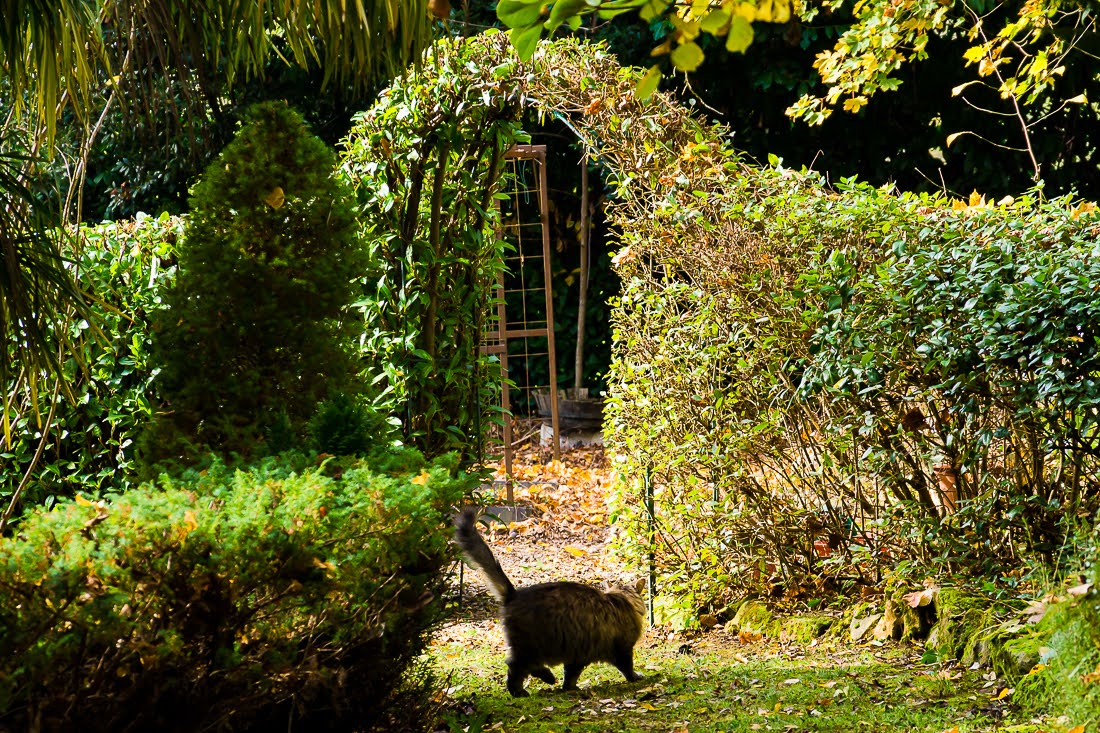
293, 592
91, 444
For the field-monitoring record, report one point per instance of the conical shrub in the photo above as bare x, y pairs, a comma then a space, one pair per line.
254, 331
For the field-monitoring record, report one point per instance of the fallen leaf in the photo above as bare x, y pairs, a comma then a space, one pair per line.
276, 198
920, 598
1080, 590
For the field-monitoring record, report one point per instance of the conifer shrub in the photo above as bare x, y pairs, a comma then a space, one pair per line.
255, 324
343, 426
289, 595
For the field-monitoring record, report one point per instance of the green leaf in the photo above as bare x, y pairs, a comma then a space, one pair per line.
564, 10
648, 83
714, 21
517, 14
740, 35
687, 56
526, 40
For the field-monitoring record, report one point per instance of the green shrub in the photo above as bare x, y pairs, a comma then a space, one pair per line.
232, 600
91, 443
344, 427
255, 324
424, 162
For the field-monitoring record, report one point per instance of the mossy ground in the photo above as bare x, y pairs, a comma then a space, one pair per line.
715, 682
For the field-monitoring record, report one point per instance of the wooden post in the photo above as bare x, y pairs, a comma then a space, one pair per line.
547, 274
582, 303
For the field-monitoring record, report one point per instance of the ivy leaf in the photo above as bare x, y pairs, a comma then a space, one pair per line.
687, 56
740, 35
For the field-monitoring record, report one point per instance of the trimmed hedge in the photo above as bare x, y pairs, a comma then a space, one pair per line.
231, 600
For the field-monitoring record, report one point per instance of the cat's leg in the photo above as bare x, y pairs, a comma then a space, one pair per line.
572, 674
624, 662
544, 674
517, 674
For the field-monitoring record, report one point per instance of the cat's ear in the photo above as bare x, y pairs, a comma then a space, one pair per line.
639, 586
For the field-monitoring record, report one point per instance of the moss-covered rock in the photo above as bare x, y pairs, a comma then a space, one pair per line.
804, 629
858, 627
1016, 656
960, 616
754, 618
903, 622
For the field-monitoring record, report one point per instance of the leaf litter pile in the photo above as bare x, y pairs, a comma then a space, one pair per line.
713, 680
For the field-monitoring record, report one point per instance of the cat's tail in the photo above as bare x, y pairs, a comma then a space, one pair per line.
479, 555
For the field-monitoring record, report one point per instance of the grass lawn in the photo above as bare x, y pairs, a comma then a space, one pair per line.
717, 683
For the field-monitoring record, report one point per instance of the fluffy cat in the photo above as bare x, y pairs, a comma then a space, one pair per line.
557, 623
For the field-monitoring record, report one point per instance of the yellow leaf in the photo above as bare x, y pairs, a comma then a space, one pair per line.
782, 11
189, 519
976, 199
662, 49
715, 21
956, 91
83, 502
740, 34
648, 83
689, 29
1079, 99
575, 551
764, 10
421, 479
953, 137
986, 67
1036, 669
742, 9
1085, 207
687, 56
275, 199
853, 104
974, 53
1005, 693
958, 205
1076, 729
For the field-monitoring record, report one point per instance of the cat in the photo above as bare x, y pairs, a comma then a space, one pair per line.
557, 623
